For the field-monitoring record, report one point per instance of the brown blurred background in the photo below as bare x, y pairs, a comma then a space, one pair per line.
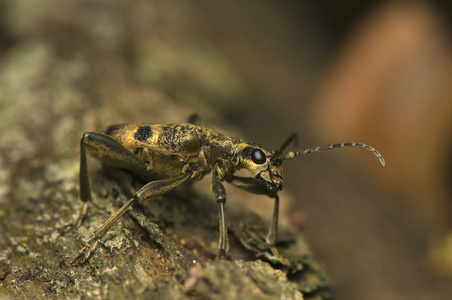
377, 72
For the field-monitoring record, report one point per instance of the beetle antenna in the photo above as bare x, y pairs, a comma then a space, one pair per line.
290, 155
292, 138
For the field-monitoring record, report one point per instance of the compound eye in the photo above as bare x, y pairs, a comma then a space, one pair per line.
258, 157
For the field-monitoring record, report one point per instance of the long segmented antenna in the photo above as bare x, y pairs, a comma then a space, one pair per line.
292, 138
290, 155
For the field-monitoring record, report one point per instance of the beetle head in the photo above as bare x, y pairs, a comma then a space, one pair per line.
261, 164
265, 164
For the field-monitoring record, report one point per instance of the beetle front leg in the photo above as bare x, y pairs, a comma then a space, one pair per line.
219, 194
273, 230
259, 187
151, 190
111, 150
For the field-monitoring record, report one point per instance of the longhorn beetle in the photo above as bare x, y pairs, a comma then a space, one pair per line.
183, 152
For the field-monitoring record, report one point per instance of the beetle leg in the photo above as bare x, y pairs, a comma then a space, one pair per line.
151, 190
111, 150
273, 231
259, 187
252, 185
219, 194
194, 118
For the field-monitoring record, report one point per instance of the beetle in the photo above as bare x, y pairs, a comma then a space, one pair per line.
182, 152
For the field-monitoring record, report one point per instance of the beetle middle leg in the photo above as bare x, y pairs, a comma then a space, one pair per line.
219, 194
151, 190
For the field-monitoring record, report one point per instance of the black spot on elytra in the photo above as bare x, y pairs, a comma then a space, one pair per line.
143, 133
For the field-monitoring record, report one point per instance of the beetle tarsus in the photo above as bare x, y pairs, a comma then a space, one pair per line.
85, 254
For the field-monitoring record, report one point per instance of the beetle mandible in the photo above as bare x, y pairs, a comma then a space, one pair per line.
182, 152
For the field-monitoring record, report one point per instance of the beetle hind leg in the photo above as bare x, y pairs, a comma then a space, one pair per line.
151, 190
110, 150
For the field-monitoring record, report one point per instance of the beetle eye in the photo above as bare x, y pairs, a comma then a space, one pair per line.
258, 156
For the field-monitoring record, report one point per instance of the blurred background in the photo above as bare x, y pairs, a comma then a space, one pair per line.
377, 72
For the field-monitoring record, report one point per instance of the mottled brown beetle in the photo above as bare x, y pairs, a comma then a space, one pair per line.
182, 152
